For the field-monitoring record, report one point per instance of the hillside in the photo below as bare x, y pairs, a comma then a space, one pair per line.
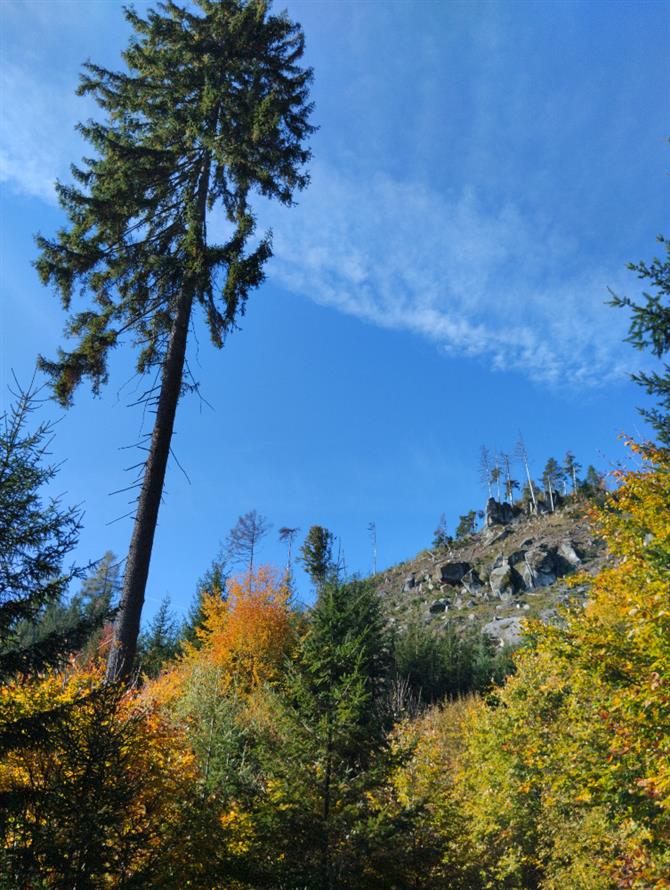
516, 567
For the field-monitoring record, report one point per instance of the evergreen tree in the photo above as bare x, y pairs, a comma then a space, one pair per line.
332, 742
551, 479
160, 642
467, 524
36, 535
650, 329
212, 107
593, 484
91, 606
317, 554
213, 581
571, 469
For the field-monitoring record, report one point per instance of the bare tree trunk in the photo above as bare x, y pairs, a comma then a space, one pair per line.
127, 625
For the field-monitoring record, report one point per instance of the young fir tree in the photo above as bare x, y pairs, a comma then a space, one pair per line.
160, 642
213, 107
214, 580
330, 748
650, 329
36, 535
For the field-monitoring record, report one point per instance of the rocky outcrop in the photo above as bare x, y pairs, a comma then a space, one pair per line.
504, 580
506, 630
540, 567
500, 514
567, 551
452, 572
472, 582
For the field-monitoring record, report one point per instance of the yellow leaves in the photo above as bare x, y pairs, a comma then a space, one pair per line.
244, 638
579, 740
238, 830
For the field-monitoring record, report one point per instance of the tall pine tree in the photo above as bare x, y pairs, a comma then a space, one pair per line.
212, 108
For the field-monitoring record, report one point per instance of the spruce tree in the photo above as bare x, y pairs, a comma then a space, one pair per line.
160, 642
213, 107
37, 534
317, 554
650, 329
330, 750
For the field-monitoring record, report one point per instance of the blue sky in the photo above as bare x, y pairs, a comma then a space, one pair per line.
482, 173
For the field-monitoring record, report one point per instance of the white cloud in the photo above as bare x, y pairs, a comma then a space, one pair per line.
483, 282
37, 139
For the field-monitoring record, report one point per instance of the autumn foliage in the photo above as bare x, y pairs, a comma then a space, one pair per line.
274, 751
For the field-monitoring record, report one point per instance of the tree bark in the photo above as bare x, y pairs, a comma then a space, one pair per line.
127, 625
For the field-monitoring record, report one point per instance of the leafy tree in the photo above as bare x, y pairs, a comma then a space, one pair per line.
317, 554
246, 637
467, 524
108, 797
160, 642
244, 538
565, 779
213, 107
36, 535
650, 329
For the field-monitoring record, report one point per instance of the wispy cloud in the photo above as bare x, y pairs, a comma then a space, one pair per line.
37, 134
479, 281
485, 280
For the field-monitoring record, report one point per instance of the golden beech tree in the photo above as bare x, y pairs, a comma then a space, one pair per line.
106, 794
565, 781
244, 637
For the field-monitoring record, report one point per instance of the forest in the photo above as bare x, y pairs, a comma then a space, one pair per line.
261, 742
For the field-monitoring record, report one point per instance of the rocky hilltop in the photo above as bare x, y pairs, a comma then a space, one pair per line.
516, 567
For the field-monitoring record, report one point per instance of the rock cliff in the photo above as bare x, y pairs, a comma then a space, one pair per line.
516, 567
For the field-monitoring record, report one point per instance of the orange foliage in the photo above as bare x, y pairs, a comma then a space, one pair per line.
244, 637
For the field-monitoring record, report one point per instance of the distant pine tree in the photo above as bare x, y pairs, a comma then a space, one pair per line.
467, 524
317, 554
